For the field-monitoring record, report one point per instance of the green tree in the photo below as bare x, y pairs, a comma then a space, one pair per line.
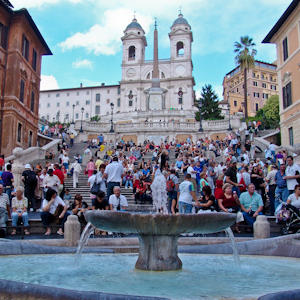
269, 114
210, 105
95, 118
245, 58
271, 111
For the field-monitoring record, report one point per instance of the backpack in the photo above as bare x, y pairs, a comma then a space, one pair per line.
170, 184
31, 179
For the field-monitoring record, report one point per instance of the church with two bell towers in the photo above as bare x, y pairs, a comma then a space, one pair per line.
154, 90
162, 83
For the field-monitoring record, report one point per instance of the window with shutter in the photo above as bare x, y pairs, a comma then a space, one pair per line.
22, 90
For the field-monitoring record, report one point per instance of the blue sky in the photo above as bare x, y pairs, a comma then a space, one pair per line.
84, 35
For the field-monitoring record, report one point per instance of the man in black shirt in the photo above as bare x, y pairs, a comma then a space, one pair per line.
99, 202
231, 176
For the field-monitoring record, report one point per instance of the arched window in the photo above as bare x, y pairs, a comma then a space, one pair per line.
163, 75
148, 76
67, 117
77, 116
180, 49
97, 110
131, 53
86, 115
107, 113
47, 117
97, 97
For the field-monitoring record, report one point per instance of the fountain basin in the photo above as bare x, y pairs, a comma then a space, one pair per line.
159, 224
158, 234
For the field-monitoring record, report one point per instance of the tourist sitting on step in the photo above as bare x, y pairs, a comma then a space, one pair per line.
251, 204
19, 205
54, 209
128, 180
79, 207
140, 193
100, 202
51, 181
117, 201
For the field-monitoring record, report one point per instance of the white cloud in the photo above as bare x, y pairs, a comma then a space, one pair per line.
48, 83
85, 63
38, 3
105, 38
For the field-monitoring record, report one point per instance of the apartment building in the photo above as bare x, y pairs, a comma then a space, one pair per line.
21, 49
262, 83
286, 35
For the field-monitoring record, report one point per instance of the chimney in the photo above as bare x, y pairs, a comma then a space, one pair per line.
81, 85
102, 84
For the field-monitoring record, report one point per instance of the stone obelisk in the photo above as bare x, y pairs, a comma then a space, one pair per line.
156, 94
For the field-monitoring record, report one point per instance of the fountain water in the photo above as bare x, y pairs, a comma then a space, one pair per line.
159, 193
88, 230
233, 246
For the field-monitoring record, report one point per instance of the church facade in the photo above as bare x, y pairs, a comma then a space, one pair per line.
135, 91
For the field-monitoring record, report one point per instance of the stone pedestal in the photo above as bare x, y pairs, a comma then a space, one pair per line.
261, 227
86, 159
158, 253
72, 230
18, 166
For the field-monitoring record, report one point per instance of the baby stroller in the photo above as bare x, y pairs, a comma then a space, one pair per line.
289, 216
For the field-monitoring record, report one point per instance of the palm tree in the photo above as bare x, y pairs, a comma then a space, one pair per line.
245, 58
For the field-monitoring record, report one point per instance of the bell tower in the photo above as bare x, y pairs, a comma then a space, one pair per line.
181, 38
134, 43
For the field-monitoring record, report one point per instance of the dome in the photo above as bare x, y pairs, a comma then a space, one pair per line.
134, 24
180, 20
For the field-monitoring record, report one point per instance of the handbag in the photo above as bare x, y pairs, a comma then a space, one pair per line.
95, 188
57, 213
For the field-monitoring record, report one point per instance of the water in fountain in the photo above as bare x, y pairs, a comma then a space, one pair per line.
233, 246
159, 193
88, 230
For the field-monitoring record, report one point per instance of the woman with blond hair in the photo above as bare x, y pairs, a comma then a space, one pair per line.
229, 203
19, 205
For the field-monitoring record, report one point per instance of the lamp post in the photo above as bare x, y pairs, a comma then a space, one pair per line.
135, 103
73, 114
111, 120
200, 113
229, 128
58, 115
82, 111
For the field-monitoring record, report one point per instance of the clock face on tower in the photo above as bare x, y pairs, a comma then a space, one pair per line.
131, 72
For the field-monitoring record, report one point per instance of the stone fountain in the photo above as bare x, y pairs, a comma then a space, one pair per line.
158, 233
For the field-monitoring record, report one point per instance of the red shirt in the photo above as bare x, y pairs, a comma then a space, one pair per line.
59, 173
1, 161
228, 202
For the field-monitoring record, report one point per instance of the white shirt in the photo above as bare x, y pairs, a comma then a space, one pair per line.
65, 159
291, 171
87, 151
54, 205
76, 166
294, 201
114, 172
189, 171
272, 147
185, 189
116, 201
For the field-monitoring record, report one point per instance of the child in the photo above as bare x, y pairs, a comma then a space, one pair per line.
67, 198
128, 179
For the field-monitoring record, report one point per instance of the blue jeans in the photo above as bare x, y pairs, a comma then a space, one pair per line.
3, 218
250, 220
185, 208
15, 218
238, 151
171, 195
110, 188
128, 182
274, 157
7, 190
47, 218
282, 194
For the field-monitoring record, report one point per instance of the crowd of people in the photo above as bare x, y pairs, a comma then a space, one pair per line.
219, 175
